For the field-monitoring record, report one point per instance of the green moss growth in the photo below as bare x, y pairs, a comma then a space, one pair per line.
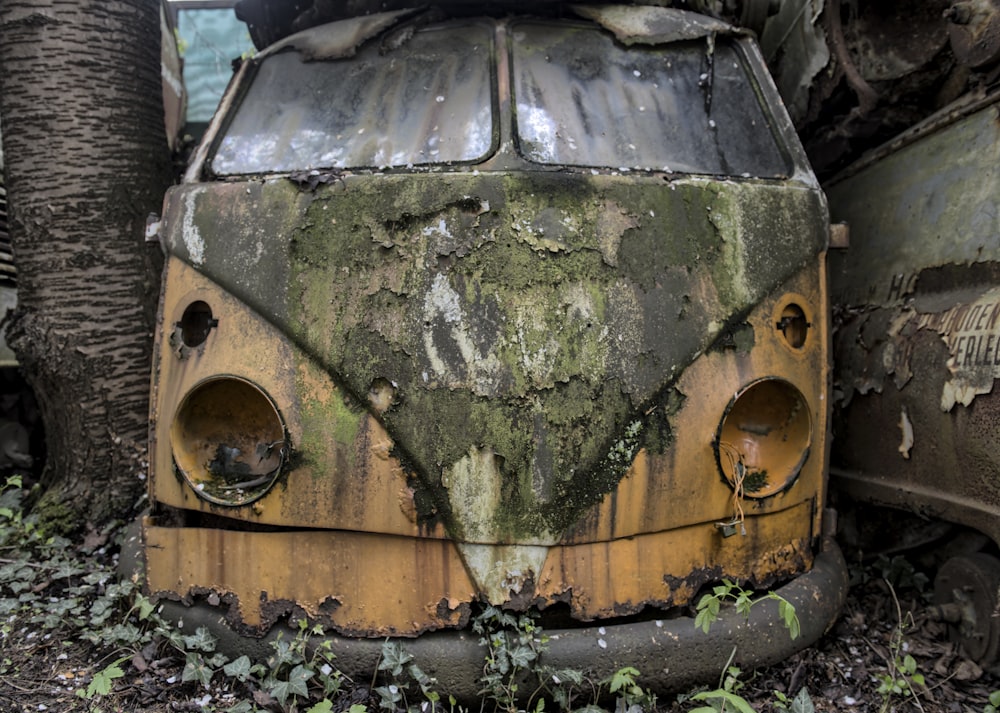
58, 514
323, 420
520, 314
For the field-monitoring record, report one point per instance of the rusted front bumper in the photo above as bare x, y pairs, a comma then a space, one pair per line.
671, 654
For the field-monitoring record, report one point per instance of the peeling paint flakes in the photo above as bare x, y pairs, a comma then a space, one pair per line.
536, 363
189, 231
907, 434
382, 448
497, 569
407, 505
442, 302
440, 229
956, 392
612, 222
972, 333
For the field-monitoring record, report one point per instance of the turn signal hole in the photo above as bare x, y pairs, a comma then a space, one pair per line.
793, 325
196, 322
764, 438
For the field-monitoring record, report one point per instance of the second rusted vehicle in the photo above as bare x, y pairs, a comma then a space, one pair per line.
918, 347
523, 311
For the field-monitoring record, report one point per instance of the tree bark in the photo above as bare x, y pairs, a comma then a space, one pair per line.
86, 162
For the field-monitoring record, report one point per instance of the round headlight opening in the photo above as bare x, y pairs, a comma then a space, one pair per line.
764, 438
228, 441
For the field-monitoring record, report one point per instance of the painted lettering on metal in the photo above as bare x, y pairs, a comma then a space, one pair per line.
901, 285
972, 333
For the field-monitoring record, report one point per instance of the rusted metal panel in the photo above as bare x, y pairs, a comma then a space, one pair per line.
502, 345
337, 578
929, 204
652, 540
659, 491
259, 576
341, 474
916, 350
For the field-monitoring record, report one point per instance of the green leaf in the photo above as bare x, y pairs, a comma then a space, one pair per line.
238, 669
623, 678
706, 617
418, 675
283, 654
325, 706
102, 682
737, 702
787, 612
279, 691
357, 708
145, 607
572, 675
201, 640
299, 675
218, 660
389, 696
743, 604
195, 669
294, 686
803, 702
394, 658
522, 656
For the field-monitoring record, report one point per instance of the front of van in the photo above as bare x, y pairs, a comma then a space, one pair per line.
524, 312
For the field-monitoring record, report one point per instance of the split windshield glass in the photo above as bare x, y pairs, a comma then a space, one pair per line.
580, 98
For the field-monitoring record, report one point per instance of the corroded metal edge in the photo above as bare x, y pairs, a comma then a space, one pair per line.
672, 655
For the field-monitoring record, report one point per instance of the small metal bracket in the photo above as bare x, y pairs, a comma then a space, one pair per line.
840, 236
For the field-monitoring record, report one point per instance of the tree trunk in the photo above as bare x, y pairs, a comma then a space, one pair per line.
86, 162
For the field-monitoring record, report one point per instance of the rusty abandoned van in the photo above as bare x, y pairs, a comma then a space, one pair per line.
918, 349
523, 311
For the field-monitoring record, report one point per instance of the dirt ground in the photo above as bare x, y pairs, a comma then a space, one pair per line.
843, 672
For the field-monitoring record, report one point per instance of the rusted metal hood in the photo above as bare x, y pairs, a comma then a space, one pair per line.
525, 329
646, 25
335, 40
649, 25
272, 22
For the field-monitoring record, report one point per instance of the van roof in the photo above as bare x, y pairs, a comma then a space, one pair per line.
271, 21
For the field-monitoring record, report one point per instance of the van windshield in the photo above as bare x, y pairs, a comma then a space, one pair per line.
426, 102
584, 100
579, 99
